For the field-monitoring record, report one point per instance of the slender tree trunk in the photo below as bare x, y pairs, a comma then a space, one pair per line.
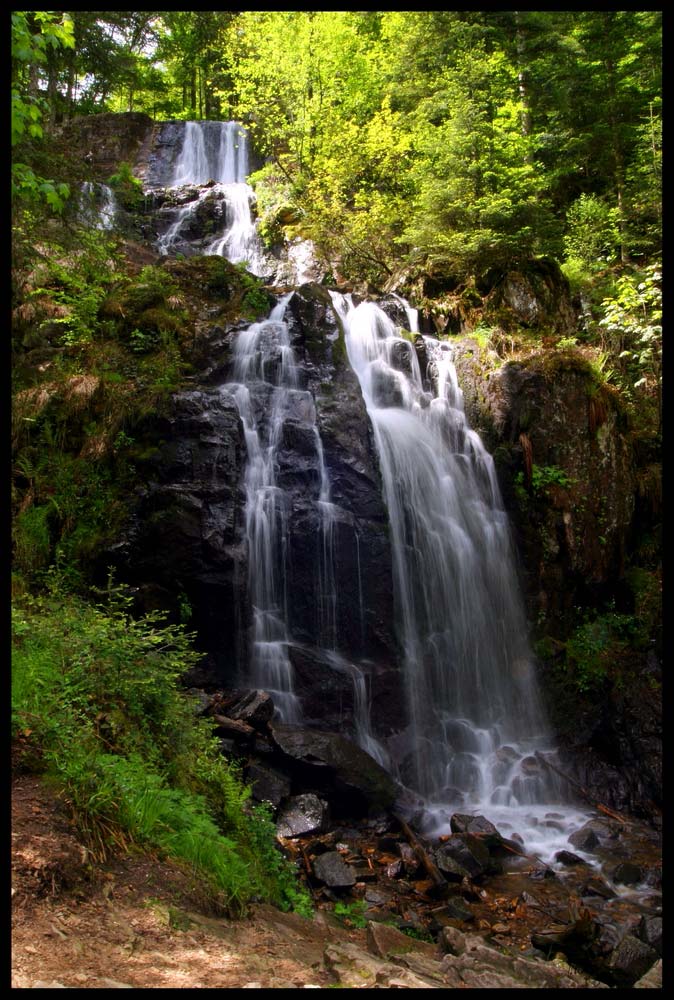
69, 90
520, 45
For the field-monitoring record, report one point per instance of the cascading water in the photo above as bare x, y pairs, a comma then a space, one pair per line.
475, 718
265, 379
216, 154
476, 731
98, 203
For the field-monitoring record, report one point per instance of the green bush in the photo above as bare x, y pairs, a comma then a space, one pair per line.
128, 189
542, 478
592, 236
599, 650
97, 693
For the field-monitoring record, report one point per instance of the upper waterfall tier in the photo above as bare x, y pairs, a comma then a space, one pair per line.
212, 151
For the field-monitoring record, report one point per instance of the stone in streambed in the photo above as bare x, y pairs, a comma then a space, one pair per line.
332, 870
302, 814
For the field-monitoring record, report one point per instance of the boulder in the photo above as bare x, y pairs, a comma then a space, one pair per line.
332, 870
255, 708
630, 960
628, 873
468, 851
302, 814
478, 826
268, 785
355, 783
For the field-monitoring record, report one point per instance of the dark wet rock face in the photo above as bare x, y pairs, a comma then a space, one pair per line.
353, 777
187, 535
574, 519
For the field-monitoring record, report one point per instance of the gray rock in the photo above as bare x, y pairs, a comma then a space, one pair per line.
332, 870
568, 858
479, 826
452, 940
302, 814
584, 839
650, 932
267, 784
630, 960
343, 769
628, 874
468, 851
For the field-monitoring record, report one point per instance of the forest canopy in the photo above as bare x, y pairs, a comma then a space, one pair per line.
444, 139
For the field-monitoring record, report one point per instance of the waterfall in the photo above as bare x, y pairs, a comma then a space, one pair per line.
267, 389
265, 373
98, 205
214, 156
475, 716
212, 151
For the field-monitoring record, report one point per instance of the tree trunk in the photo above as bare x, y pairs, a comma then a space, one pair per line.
525, 118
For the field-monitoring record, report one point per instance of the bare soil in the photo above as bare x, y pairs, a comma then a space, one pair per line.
137, 922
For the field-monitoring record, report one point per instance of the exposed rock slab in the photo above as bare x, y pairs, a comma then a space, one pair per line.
335, 763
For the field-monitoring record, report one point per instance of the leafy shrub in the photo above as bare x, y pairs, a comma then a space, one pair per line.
128, 189
592, 235
542, 478
351, 914
597, 649
98, 693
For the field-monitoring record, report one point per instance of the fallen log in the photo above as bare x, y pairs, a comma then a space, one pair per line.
233, 727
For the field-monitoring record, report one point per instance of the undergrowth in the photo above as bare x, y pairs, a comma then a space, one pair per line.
96, 696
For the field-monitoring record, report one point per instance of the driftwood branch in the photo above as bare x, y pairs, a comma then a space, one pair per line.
422, 854
582, 791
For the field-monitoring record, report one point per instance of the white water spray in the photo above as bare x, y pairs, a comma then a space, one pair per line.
476, 723
216, 154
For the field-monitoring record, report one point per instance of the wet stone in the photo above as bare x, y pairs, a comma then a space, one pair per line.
650, 932
630, 960
466, 850
454, 909
452, 941
584, 839
479, 826
267, 785
302, 814
596, 886
568, 858
628, 874
256, 708
450, 868
331, 869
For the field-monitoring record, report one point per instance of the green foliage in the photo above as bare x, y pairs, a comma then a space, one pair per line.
352, 913
593, 235
97, 691
66, 290
542, 478
599, 650
128, 189
418, 935
32, 543
35, 35
255, 300
632, 323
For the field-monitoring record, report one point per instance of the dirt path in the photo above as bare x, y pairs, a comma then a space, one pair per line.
135, 923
